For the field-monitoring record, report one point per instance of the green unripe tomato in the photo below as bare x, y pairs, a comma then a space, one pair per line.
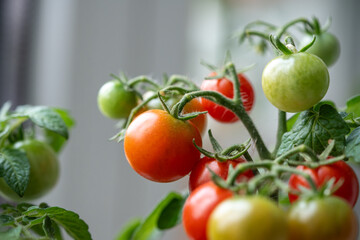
115, 101
250, 218
44, 171
326, 218
326, 47
295, 82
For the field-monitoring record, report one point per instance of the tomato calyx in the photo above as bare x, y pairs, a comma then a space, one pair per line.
230, 153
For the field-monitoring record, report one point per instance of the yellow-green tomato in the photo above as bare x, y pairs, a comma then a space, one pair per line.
326, 47
247, 218
115, 100
44, 171
328, 218
295, 82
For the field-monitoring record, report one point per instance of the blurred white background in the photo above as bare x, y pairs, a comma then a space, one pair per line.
73, 46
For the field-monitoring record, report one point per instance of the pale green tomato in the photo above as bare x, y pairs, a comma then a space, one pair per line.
326, 47
248, 218
44, 171
327, 218
115, 101
295, 82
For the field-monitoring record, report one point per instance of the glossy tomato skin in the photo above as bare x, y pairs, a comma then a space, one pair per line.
251, 217
326, 47
115, 101
159, 147
198, 207
341, 171
296, 82
44, 171
200, 174
327, 218
226, 87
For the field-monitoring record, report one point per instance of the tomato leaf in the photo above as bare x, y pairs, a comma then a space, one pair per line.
47, 118
129, 229
149, 228
352, 150
353, 106
171, 214
11, 234
70, 221
15, 169
6, 220
314, 129
55, 140
48, 227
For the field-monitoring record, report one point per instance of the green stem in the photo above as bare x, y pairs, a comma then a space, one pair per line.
255, 181
181, 79
240, 168
280, 169
299, 149
237, 94
250, 126
237, 109
260, 22
284, 28
315, 164
256, 33
282, 128
142, 79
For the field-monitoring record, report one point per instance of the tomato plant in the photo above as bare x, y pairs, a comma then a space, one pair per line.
200, 173
295, 82
44, 170
159, 147
253, 217
340, 171
116, 100
198, 207
329, 218
226, 87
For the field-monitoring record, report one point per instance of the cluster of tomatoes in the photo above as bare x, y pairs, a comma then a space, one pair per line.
211, 212
163, 146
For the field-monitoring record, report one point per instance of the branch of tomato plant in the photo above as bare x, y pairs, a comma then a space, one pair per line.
230, 104
285, 27
142, 79
174, 79
239, 110
298, 149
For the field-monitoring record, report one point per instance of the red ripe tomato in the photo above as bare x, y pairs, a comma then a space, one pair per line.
200, 174
225, 87
349, 190
159, 147
200, 121
198, 207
